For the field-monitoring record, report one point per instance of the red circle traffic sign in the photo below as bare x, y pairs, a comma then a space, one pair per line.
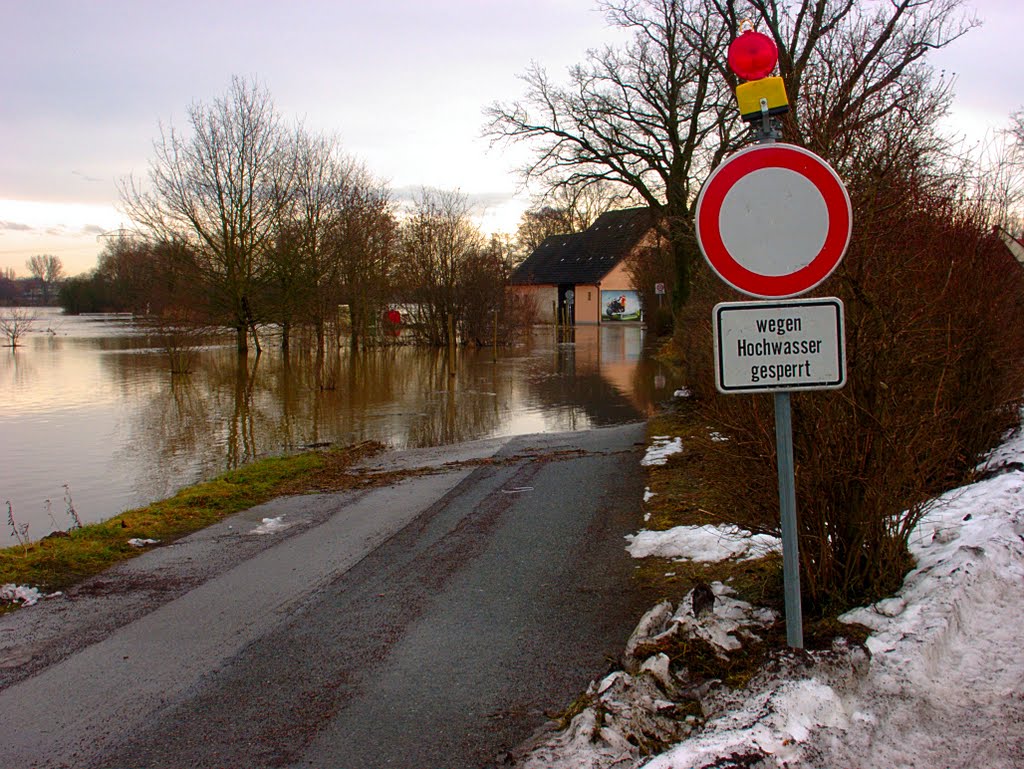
774, 220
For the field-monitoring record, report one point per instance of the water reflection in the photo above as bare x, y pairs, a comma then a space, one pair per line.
95, 406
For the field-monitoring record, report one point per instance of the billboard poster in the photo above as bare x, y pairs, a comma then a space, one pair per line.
620, 305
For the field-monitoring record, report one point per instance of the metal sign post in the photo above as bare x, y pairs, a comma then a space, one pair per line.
774, 221
781, 346
787, 511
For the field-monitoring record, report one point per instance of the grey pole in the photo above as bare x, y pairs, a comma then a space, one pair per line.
787, 508
767, 134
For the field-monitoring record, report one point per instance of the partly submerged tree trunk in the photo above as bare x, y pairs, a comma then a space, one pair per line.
241, 339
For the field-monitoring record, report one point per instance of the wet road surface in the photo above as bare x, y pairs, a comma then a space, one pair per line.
432, 623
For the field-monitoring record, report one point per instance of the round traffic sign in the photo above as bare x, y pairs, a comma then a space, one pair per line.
774, 220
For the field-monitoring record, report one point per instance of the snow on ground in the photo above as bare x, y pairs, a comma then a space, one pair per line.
271, 525
940, 683
661, 448
23, 594
946, 686
702, 543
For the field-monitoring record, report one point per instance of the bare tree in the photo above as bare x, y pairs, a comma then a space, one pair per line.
438, 242
658, 114
652, 117
998, 175
538, 224
15, 322
565, 210
8, 288
301, 276
333, 244
997, 183
48, 269
365, 240
848, 64
221, 191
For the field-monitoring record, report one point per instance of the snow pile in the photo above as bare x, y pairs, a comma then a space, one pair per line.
943, 684
650, 702
1009, 454
622, 712
708, 613
702, 543
137, 542
661, 448
23, 594
766, 724
726, 627
271, 525
946, 649
939, 683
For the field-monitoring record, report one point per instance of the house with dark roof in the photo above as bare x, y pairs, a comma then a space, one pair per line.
582, 278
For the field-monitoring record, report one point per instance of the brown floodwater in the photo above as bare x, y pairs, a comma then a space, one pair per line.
89, 402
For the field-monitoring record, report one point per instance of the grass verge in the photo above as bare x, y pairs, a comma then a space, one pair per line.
58, 562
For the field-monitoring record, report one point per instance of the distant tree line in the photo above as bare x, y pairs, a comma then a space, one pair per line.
249, 224
40, 289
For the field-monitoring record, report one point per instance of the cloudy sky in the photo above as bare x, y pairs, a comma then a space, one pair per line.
86, 84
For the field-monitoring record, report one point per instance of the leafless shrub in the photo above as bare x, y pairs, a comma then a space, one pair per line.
179, 335
935, 335
18, 530
69, 508
15, 322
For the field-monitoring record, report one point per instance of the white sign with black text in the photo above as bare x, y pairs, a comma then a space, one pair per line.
772, 346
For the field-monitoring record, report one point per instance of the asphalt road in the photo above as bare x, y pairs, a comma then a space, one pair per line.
431, 623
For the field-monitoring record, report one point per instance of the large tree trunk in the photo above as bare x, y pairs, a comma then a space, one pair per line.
241, 339
685, 255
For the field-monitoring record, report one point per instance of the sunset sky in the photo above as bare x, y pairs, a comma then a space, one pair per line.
403, 83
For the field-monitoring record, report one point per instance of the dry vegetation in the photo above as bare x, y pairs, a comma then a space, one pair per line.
685, 494
935, 336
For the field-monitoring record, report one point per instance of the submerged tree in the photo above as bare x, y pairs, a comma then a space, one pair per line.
443, 261
15, 322
221, 192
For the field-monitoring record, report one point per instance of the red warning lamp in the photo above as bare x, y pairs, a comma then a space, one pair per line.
752, 55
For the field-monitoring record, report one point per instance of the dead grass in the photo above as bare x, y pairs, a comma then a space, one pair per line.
683, 498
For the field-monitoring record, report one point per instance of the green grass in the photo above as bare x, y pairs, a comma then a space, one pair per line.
57, 563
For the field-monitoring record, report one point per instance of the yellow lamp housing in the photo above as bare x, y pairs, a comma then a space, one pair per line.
771, 89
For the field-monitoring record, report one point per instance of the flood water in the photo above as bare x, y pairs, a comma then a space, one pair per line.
90, 402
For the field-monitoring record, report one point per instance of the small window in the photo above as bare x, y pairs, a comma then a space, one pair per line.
588, 296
